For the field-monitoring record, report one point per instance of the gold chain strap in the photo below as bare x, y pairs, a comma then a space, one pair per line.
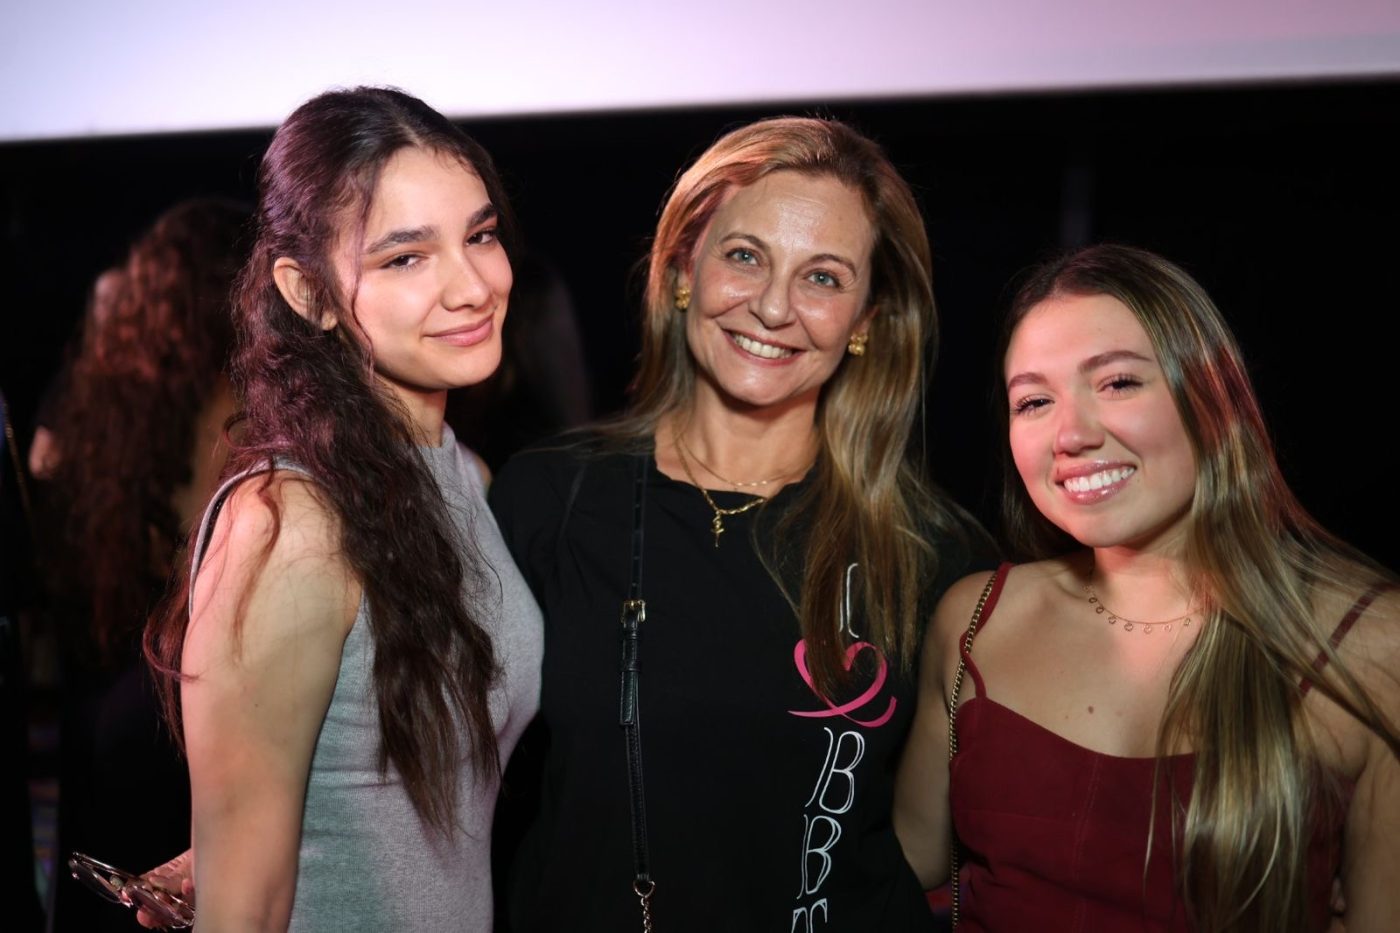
953, 860
643, 890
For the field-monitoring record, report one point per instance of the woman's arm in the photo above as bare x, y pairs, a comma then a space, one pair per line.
922, 819
273, 605
1371, 862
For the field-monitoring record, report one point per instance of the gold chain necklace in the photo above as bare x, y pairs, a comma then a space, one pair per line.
1129, 624
680, 441
717, 523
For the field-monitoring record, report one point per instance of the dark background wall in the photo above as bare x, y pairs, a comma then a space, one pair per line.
1282, 200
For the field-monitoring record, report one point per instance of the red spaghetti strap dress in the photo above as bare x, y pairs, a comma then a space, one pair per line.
1056, 835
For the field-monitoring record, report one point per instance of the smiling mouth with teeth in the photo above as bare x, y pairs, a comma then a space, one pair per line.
1098, 480
765, 350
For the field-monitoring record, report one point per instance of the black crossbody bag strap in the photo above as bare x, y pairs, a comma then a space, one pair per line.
634, 612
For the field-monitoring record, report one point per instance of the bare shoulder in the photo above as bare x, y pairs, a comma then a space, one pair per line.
283, 513
1026, 585
954, 611
1368, 624
1377, 625
1372, 648
1371, 758
950, 618
277, 543
959, 601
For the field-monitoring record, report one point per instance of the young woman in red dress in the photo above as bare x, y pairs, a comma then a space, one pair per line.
1182, 714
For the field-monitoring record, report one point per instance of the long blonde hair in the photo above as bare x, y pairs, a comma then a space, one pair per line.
1262, 559
869, 496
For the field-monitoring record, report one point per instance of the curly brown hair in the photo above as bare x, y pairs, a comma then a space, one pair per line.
125, 423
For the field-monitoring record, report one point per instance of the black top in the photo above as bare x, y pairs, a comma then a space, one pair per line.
767, 808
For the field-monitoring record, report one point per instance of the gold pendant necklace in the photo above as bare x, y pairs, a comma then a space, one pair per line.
717, 523
1129, 624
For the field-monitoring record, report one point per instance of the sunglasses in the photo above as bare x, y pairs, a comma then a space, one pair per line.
122, 887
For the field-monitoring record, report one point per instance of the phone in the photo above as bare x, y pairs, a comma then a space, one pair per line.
131, 890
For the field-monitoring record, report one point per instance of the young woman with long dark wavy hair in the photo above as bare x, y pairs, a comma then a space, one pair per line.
354, 652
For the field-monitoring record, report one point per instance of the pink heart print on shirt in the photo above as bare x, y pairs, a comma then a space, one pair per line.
844, 710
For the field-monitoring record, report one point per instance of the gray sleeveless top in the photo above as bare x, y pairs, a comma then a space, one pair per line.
367, 862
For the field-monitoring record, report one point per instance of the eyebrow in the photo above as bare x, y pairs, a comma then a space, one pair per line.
400, 237
820, 257
1092, 363
1112, 356
429, 232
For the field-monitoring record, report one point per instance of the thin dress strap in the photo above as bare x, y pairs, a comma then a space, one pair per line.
965, 643
1344, 626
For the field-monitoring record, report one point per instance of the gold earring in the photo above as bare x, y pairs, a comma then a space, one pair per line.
856, 345
682, 297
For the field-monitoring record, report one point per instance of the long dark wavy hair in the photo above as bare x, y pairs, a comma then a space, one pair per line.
151, 357
1262, 561
311, 398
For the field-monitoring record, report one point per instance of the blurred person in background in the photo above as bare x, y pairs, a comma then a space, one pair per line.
134, 450
542, 386
17, 596
43, 448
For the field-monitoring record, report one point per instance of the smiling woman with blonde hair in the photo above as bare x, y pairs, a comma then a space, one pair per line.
1181, 715
764, 498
